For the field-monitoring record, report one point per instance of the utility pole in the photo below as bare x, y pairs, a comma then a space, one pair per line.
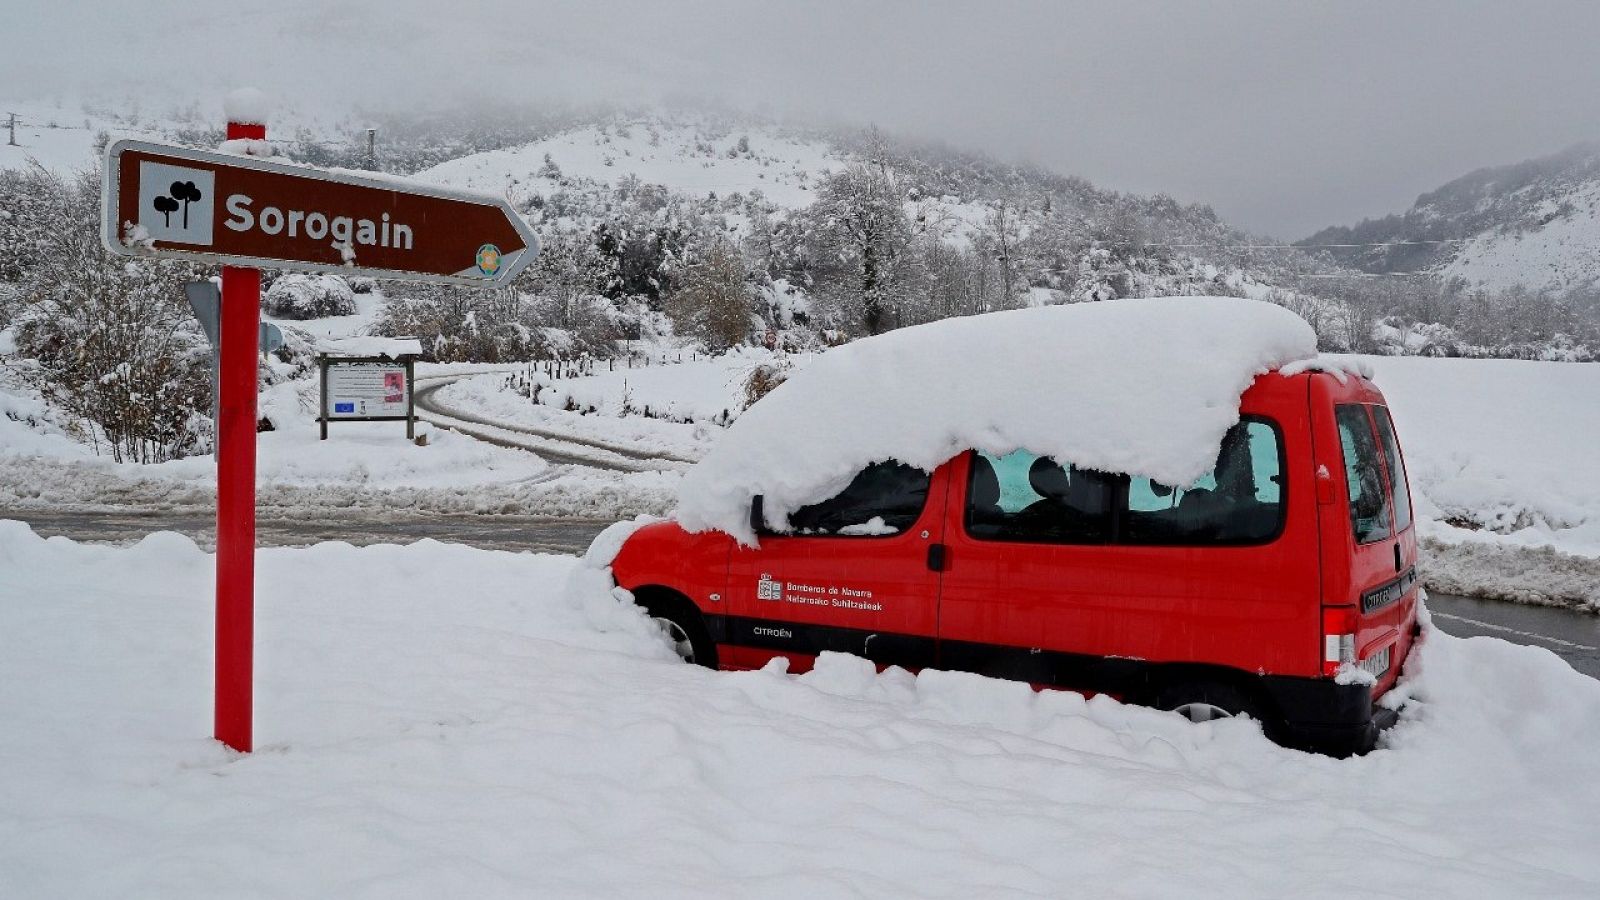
372, 154
13, 141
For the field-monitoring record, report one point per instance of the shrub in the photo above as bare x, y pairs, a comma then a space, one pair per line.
298, 296
115, 343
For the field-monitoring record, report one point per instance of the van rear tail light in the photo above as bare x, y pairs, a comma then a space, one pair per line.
1338, 638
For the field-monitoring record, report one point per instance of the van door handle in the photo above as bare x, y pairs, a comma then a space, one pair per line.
1397, 554
936, 557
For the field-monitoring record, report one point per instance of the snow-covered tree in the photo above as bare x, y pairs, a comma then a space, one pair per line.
859, 222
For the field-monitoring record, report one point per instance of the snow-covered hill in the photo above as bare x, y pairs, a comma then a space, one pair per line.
578, 177
694, 159
1554, 244
1534, 224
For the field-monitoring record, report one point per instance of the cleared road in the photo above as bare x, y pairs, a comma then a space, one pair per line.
523, 533
1573, 636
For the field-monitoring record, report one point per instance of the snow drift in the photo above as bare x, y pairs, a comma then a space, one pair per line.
1145, 387
436, 720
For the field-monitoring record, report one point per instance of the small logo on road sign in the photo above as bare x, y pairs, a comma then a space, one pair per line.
344, 407
175, 203
488, 259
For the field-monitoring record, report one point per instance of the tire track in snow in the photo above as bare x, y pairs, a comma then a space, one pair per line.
552, 446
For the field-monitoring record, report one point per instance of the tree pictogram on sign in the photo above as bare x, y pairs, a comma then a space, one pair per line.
183, 192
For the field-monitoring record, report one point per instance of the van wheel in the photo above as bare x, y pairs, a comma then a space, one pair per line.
1204, 701
679, 618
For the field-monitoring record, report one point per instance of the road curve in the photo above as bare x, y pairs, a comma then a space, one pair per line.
552, 446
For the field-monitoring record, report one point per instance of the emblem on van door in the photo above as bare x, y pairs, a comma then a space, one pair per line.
767, 589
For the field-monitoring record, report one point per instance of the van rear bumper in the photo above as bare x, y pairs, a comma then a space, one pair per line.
1321, 716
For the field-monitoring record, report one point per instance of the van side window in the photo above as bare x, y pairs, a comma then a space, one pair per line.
884, 498
1398, 482
1369, 498
1023, 496
1240, 501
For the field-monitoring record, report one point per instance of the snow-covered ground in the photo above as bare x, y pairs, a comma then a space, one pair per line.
363, 465
419, 733
1506, 448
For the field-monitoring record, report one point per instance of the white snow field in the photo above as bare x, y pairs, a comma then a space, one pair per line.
1507, 445
435, 720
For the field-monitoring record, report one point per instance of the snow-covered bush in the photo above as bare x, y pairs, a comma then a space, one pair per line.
464, 325
296, 296
114, 341
362, 285
763, 378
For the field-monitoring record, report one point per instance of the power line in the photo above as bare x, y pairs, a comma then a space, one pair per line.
1207, 246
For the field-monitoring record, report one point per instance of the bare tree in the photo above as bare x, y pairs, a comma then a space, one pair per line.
713, 302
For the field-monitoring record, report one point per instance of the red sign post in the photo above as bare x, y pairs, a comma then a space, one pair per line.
233, 703
244, 212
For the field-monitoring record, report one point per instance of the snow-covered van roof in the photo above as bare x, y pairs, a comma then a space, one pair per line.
1140, 386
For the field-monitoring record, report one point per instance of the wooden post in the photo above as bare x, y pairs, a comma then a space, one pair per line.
322, 410
411, 401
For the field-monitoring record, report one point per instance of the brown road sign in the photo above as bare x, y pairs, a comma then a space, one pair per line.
241, 210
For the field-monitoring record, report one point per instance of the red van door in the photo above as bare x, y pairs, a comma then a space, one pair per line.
1369, 546
1057, 575
856, 573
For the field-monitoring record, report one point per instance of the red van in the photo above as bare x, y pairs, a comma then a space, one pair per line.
1280, 586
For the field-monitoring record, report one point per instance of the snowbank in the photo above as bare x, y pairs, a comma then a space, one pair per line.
1139, 386
437, 720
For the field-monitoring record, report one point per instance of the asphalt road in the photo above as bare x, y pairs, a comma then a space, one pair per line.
1574, 636
522, 533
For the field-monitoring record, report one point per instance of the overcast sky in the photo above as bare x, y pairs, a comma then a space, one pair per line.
1283, 116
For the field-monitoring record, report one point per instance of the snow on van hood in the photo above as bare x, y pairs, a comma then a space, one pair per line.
1142, 386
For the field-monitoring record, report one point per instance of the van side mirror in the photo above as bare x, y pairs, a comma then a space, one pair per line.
758, 519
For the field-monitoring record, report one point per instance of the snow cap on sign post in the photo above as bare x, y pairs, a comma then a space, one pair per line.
247, 105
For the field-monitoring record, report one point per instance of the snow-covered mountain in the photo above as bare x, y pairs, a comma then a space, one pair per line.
1535, 224
624, 199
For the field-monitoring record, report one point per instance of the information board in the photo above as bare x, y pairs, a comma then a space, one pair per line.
366, 390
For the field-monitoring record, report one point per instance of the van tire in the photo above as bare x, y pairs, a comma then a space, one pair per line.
1203, 701
683, 623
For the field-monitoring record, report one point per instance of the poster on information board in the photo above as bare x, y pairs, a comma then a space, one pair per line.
369, 389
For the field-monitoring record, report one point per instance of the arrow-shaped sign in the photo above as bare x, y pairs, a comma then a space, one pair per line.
240, 210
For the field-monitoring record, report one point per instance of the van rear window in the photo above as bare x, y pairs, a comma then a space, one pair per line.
1363, 475
1398, 482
